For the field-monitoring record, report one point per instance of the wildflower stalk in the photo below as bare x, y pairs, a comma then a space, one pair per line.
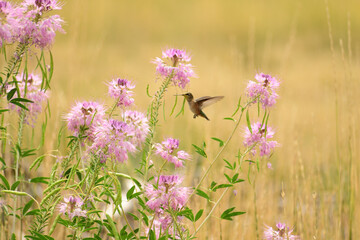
154, 113
221, 150
18, 159
13, 63
222, 195
255, 211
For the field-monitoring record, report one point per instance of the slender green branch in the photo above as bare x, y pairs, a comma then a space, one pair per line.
221, 150
222, 195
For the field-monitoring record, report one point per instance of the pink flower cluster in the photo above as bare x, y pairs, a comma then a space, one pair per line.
263, 90
115, 139
29, 22
260, 137
84, 116
175, 64
167, 195
72, 207
120, 89
30, 89
167, 151
282, 233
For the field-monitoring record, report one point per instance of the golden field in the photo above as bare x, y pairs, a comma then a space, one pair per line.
314, 184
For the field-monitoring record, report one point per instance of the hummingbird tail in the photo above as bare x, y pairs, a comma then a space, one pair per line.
204, 116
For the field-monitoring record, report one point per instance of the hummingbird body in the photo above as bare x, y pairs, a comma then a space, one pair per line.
197, 105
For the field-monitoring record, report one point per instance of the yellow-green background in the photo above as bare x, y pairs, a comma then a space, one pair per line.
314, 182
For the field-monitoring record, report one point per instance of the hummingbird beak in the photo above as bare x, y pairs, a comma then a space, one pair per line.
179, 94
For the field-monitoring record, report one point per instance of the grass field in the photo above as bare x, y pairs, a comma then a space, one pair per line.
313, 47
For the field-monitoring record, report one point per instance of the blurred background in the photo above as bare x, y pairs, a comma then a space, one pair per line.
313, 185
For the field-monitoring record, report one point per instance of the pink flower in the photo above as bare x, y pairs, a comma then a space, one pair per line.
84, 116
72, 207
166, 151
120, 89
30, 89
167, 195
260, 137
6, 20
282, 232
113, 140
139, 123
29, 24
264, 90
175, 64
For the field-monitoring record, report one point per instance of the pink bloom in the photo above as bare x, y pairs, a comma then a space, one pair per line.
139, 123
164, 224
31, 90
168, 194
282, 232
166, 151
260, 137
175, 64
6, 19
84, 116
113, 140
29, 24
264, 90
120, 89
72, 207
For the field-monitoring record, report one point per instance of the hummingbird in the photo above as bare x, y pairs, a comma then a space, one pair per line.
197, 105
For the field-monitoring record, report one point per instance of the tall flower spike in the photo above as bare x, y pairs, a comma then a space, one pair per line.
260, 137
120, 89
282, 232
263, 90
175, 63
167, 151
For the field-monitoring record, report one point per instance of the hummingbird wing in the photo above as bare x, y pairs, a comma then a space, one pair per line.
203, 102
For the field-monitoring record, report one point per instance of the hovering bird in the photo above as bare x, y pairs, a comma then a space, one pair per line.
197, 105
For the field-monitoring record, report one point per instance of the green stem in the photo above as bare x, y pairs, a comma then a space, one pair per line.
221, 150
17, 160
221, 197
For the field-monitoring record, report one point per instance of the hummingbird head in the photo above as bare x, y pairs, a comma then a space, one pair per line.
188, 96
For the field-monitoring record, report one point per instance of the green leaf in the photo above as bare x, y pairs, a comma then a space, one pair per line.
4, 110
202, 194
212, 185
248, 121
173, 109
200, 151
229, 118
15, 185
152, 235
229, 166
20, 105
182, 108
227, 177
187, 213
238, 107
199, 214
21, 100
10, 94
5, 181
40, 180
129, 194
228, 214
112, 227
225, 185
221, 142
27, 207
